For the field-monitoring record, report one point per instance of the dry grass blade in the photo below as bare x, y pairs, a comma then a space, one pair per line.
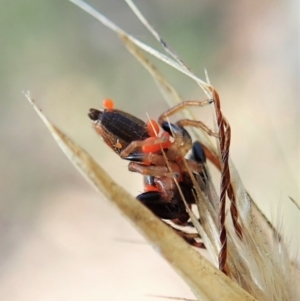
295, 203
198, 273
173, 63
170, 94
266, 276
256, 263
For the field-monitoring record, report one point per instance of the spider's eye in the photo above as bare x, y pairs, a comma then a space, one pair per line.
176, 175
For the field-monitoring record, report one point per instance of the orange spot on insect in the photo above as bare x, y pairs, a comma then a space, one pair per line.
153, 128
148, 188
108, 104
118, 145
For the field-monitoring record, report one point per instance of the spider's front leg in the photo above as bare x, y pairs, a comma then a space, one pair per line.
147, 150
188, 122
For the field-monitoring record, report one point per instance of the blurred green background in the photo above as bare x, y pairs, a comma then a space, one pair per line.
59, 240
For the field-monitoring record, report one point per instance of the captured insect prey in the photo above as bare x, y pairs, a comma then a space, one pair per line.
159, 157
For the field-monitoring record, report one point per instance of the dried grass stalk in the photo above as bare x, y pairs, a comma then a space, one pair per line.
198, 273
256, 257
